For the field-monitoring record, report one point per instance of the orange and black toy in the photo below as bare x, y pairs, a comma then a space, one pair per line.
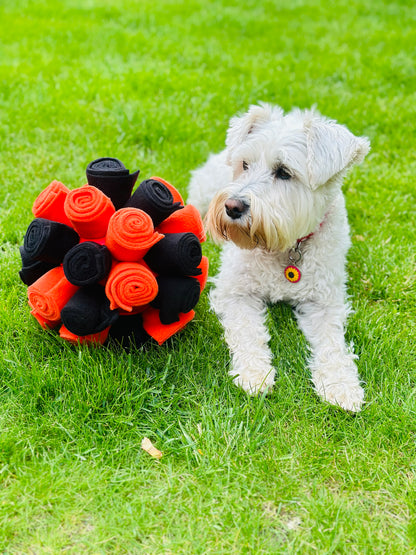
103, 263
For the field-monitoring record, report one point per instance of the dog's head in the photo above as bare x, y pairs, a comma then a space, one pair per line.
286, 171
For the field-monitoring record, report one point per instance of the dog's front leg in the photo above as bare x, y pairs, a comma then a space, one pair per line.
334, 373
246, 334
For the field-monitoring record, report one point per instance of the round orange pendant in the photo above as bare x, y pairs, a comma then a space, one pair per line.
292, 274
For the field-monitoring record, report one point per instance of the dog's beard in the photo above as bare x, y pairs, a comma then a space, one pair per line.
254, 229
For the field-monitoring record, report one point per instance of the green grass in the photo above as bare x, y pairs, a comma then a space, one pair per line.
154, 84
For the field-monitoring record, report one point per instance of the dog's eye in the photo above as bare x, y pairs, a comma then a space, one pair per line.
282, 173
245, 165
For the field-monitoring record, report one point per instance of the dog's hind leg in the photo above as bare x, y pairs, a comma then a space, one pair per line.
334, 373
207, 180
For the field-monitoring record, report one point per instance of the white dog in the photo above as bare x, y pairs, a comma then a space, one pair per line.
274, 195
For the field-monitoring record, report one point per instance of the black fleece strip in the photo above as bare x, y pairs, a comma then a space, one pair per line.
176, 294
176, 254
110, 176
49, 241
155, 198
32, 269
88, 311
128, 331
87, 263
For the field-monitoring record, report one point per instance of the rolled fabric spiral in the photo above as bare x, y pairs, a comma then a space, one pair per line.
50, 203
49, 241
175, 193
131, 234
44, 322
32, 269
112, 178
50, 293
176, 254
87, 263
176, 294
88, 311
155, 199
89, 211
130, 285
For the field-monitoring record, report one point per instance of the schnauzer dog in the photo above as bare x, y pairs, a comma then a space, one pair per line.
274, 195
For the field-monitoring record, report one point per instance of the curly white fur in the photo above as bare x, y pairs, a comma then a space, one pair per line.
286, 171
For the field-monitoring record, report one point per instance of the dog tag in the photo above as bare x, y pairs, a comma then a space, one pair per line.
292, 274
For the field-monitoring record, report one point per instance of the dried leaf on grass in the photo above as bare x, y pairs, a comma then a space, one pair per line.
148, 446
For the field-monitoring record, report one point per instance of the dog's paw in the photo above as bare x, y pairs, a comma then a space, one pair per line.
349, 396
254, 382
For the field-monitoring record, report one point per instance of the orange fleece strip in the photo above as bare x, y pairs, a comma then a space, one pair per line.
49, 294
50, 203
130, 234
97, 338
45, 324
136, 310
204, 267
176, 194
130, 285
89, 211
160, 332
186, 220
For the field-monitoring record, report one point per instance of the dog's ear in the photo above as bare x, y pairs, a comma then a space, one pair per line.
331, 148
241, 126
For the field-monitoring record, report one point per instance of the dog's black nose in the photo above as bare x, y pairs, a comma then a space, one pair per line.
235, 208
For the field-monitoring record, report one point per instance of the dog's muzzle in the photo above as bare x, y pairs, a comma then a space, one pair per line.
235, 208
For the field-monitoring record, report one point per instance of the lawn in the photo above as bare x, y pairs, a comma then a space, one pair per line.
154, 84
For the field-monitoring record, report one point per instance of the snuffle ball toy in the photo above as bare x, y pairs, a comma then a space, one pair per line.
101, 262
